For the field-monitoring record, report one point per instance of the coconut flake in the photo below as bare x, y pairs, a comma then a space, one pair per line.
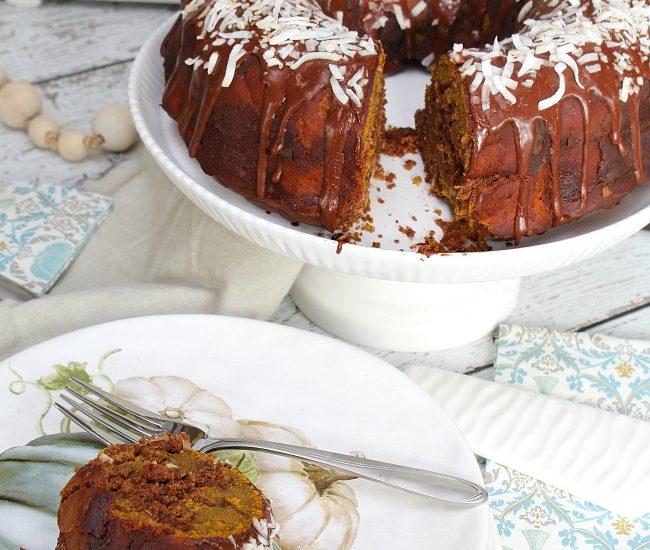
559, 93
235, 55
212, 62
420, 7
338, 91
427, 60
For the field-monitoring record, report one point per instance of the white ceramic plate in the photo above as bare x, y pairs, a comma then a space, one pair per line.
405, 205
341, 399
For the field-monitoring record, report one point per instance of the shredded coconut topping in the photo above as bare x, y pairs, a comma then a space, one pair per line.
575, 39
289, 33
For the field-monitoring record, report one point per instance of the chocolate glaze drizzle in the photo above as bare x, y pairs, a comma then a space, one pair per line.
525, 117
192, 93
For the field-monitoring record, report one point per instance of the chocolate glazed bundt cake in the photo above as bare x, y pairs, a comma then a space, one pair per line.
547, 125
162, 495
280, 102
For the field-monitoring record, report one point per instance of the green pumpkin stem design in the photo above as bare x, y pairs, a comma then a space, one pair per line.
19, 386
57, 380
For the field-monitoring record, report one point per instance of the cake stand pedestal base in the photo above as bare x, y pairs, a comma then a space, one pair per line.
400, 316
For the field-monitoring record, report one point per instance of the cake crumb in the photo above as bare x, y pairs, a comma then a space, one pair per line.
437, 212
380, 200
376, 244
457, 238
408, 231
409, 164
417, 180
399, 141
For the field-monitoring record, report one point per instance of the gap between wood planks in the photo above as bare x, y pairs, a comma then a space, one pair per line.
84, 71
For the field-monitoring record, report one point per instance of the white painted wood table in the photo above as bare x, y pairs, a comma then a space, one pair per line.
79, 55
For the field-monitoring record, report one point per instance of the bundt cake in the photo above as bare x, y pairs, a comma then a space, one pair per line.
282, 103
282, 100
160, 494
547, 125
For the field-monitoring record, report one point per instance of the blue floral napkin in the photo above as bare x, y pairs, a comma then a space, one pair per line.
597, 371
42, 229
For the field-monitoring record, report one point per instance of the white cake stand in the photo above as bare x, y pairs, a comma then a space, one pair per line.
388, 297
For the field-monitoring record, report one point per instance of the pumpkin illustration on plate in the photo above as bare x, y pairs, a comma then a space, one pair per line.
181, 399
314, 507
31, 478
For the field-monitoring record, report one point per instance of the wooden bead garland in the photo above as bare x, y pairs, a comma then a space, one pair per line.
19, 102
43, 131
21, 105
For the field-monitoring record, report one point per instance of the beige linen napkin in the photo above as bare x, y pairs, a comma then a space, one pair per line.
156, 253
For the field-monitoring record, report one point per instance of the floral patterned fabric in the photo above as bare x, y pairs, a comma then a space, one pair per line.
42, 229
597, 371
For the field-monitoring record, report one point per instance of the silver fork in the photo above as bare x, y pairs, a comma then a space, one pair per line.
96, 413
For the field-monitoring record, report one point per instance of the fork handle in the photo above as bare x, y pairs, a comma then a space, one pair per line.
442, 487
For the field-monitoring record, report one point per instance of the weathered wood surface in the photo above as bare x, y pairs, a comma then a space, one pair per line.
63, 38
80, 55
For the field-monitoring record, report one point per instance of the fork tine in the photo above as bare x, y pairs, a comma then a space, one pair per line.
119, 430
151, 417
144, 430
102, 435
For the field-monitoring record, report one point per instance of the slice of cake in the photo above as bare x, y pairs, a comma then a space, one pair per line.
160, 494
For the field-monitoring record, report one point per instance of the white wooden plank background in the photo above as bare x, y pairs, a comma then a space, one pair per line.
80, 55
63, 38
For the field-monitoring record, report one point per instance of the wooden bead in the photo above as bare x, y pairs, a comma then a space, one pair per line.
114, 124
19, 102
43, 131
72, 145
4, 78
